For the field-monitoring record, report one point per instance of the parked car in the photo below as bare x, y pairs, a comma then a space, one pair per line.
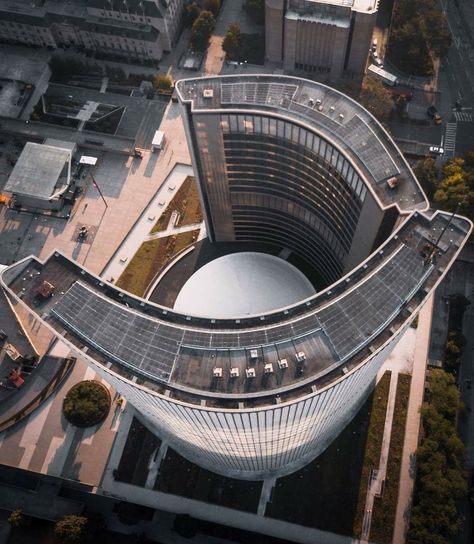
436, 150
431, 112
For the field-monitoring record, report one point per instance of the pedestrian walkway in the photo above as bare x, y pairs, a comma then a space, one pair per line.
412, 430
139, 232
450, 139
464, 116
172, 231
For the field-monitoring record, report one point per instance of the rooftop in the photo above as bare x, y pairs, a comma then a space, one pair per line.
321, 338
38, 171
329, 113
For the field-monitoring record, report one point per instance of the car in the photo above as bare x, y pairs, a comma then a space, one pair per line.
438, 119
431, 112
436, 150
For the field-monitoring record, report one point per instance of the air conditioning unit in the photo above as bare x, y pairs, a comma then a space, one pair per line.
207, 93
268, 368
253, 354
300, 357
234, 372
217, 372
282, 364
250, 372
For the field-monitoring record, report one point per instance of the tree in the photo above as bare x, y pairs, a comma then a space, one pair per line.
427, 174
376, 98
441, 478
162, 82
16, 519
469, 159
437, 32
456, 188
201, 30
212, 5
231, 42
71, 529
191, 13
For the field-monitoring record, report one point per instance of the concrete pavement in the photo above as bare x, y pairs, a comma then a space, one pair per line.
412, 429
141, 229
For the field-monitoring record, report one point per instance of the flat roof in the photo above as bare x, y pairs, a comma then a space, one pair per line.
324, 110
164, 350
37, 170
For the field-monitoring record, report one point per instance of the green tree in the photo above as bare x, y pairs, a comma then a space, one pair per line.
376, 98
437, 32
212, 5
456, 188
427, 174
16, 518
162, 82
441, 477
256, 10
201, 30
191, 13
71, 529
231, 42
469, 159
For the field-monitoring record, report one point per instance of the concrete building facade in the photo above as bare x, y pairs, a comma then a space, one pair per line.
136, 30
323, 38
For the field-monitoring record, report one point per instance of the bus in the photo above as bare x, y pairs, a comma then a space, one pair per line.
383, 75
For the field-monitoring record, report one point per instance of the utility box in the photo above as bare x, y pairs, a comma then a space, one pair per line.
158, 140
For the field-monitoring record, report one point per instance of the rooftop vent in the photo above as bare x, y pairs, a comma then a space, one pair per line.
207, 93
300, 357
282, 363
393, 182
250, 372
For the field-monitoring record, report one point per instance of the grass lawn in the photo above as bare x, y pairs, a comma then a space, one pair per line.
149, 260
373, 446
186, 202
383, 515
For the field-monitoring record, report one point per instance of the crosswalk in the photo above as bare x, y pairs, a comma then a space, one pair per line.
464, 116
450, 138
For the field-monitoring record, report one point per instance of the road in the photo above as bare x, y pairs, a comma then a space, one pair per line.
457, 82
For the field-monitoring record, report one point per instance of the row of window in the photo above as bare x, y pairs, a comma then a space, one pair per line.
285, 130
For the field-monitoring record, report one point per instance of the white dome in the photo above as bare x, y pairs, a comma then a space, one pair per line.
242, 284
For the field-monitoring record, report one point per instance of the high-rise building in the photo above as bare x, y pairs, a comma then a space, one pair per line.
321, 37
297, 165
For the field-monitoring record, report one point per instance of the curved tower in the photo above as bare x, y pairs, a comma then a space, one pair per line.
298, 165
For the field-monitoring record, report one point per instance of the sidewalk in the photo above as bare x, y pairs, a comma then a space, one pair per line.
407, 477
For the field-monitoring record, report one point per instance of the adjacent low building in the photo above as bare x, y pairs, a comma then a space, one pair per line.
41, 176
133, 29
321, 37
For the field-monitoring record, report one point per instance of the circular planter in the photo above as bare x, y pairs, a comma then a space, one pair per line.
87, 403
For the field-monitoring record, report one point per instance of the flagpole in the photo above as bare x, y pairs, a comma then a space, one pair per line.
94, 183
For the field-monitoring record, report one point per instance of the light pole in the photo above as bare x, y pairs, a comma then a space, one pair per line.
94, 183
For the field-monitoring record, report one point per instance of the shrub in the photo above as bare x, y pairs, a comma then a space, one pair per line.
86, 404
71, 529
